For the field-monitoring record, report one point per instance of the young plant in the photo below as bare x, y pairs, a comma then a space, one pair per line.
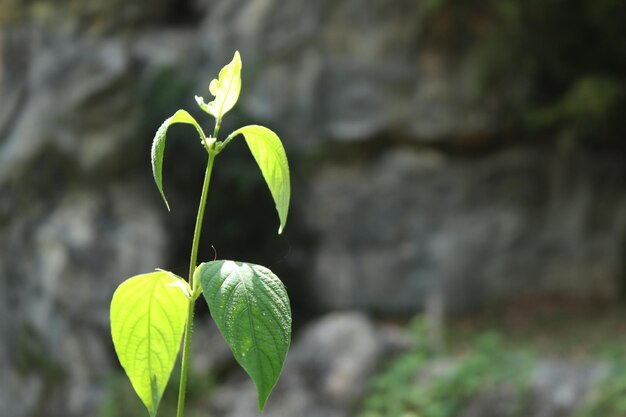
151, 313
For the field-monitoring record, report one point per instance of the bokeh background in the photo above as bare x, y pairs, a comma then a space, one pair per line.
456, 244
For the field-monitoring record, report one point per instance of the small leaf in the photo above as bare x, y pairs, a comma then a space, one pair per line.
251, 308
158, 146
225, 89
148, 316
270, 155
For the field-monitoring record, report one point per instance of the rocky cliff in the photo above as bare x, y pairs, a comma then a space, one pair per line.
409, 178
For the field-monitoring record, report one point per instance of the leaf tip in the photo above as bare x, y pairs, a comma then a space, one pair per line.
167, 205
160, 187
262, 398
202, 104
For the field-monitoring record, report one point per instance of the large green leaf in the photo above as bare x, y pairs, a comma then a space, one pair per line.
158, 146
251, 308
225, 89
148, 315
270, 155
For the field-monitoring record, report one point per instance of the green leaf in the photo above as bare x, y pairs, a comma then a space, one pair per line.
148, 315
225, 89
158, 146
270, 155
251, 308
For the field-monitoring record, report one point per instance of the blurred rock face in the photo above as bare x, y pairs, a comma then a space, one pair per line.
514, 224
356, 93
72, 225
60, 267
348, 71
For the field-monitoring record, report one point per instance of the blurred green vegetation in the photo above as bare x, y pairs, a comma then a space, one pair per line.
559, 66
609, 398
495, 351
412, 387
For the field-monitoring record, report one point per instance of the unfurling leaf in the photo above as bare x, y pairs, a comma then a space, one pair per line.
148, 315
251, 308
225, 89
270, 155
158, 146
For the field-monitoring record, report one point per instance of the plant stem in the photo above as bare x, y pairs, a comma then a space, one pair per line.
192, 267
199, 217
216, 130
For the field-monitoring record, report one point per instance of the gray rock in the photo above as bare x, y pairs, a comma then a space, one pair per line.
559, 388
326, 372
500, 401
345, 71
59, 266
519, 223
74, 220
210, 353
88, 16
13, 74
79, 106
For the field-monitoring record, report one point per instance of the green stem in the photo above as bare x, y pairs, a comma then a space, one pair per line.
192, 267
218, 123
199, 217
